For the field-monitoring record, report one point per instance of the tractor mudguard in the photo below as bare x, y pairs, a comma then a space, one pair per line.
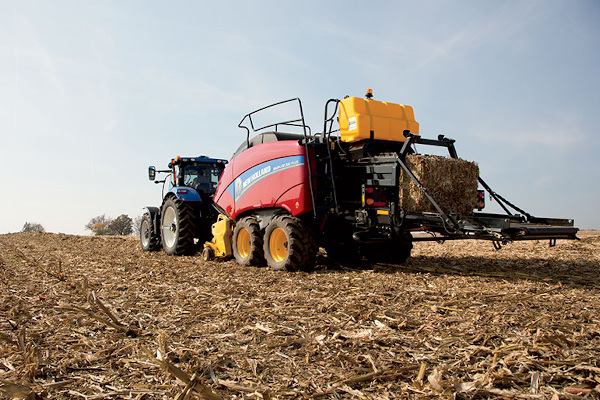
185, 193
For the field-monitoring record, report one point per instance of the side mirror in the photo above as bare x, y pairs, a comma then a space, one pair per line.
151, 173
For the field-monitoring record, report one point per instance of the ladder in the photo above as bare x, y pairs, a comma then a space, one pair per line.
320, 167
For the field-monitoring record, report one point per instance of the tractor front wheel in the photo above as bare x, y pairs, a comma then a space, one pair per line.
248, 242
177, 227
149, 239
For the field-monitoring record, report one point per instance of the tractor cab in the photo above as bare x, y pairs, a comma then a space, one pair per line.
202, 177
198, 173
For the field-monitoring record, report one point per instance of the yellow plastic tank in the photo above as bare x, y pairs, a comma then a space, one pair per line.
362, 119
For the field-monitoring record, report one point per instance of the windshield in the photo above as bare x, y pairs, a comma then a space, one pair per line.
202, 177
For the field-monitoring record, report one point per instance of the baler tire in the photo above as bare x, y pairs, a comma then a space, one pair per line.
395, 252
344, 254
248, 242
149, 240
177, 227
403, 250
289, 245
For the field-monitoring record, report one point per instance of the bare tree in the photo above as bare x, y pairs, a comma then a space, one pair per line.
121, 225
103, 225
33, 227
99, 225
136, 225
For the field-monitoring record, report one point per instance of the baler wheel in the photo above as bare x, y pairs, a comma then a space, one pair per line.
149, 240
248, 242
177, 227
289, 245
396, 252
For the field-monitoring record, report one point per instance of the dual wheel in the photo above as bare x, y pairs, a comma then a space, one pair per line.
287, 244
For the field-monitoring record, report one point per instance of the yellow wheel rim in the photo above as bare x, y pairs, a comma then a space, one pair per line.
243, 243
278, 245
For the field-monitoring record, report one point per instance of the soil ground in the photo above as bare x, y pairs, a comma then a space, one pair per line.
95, 317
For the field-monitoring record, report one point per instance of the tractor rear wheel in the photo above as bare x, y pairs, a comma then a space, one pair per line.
177, 227
149, 239
248, 242
289, 245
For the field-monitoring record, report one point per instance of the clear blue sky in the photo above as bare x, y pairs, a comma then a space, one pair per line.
92, 92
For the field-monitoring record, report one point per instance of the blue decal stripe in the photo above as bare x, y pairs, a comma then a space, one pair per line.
250, 177
265, 176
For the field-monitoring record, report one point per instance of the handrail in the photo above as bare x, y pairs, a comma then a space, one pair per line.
298, 122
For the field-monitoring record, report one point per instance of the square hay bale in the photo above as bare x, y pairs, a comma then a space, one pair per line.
451, 182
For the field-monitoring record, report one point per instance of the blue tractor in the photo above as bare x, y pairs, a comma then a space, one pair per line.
184, 220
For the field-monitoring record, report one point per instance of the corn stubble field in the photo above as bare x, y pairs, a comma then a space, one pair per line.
95, 317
